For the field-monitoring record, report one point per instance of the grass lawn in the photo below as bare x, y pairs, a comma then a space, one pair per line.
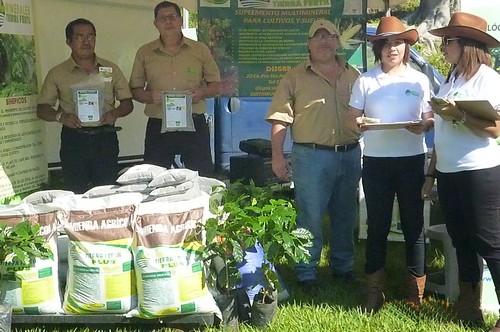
336, 307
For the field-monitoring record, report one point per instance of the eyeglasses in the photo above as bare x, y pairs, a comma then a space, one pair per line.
324, 37
167, 18
447, 40
81, 38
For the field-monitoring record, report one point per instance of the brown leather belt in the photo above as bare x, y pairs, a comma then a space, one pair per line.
336, 148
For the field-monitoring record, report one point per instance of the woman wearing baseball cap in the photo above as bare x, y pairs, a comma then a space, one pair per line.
466, 159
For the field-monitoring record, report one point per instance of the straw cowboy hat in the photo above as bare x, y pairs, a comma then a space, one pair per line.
391, 27
467, 26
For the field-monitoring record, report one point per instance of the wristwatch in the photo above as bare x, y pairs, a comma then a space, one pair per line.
59, 116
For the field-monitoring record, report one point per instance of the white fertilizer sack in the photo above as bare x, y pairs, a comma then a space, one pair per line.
140, 173
32, 289
169, 269
100, 266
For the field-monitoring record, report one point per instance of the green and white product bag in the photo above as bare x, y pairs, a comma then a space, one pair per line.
101, 275
32, 289
170, 272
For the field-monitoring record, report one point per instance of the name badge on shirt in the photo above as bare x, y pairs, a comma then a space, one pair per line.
106, 73
87, 105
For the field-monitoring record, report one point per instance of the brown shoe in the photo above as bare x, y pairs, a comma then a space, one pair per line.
374, 297
416, 287
496, 328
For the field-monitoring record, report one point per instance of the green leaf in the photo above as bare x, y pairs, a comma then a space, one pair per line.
22, 243
237, 251
20, 253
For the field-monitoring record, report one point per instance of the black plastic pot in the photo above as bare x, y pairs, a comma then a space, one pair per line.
264, 309
227, 303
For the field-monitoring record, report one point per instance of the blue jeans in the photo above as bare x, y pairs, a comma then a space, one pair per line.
327, 182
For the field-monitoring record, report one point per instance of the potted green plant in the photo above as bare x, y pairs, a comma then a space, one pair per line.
244, 216
226, 237
272, 218
20, 245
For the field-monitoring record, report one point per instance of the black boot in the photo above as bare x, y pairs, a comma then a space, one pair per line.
468, 306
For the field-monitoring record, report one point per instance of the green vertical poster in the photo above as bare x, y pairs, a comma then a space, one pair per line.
255, 42
22, 163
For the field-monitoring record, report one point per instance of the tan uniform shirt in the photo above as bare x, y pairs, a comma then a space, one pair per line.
157, 70
61, 78
314, 108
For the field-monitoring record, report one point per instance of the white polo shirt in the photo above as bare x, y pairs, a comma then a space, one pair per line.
457, 147
392, 98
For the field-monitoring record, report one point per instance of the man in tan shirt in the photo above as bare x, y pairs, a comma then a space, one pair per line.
312, 99
85, 87
173, 63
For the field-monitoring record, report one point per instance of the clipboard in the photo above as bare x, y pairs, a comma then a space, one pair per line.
392, 125
478, 108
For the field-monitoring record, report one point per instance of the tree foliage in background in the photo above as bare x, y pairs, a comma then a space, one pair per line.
435, 58
409, 6
432, 14
193, 20
412, 12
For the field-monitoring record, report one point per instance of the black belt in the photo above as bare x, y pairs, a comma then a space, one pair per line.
95, 130
336, 148
194, 116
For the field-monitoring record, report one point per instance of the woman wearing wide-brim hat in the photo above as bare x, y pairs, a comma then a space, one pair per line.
393, 160
466, 159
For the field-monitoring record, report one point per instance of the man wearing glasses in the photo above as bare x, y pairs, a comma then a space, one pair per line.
173, 75
312, 99
86, 88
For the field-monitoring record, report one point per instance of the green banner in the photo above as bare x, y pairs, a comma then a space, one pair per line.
255, 42
22, 163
